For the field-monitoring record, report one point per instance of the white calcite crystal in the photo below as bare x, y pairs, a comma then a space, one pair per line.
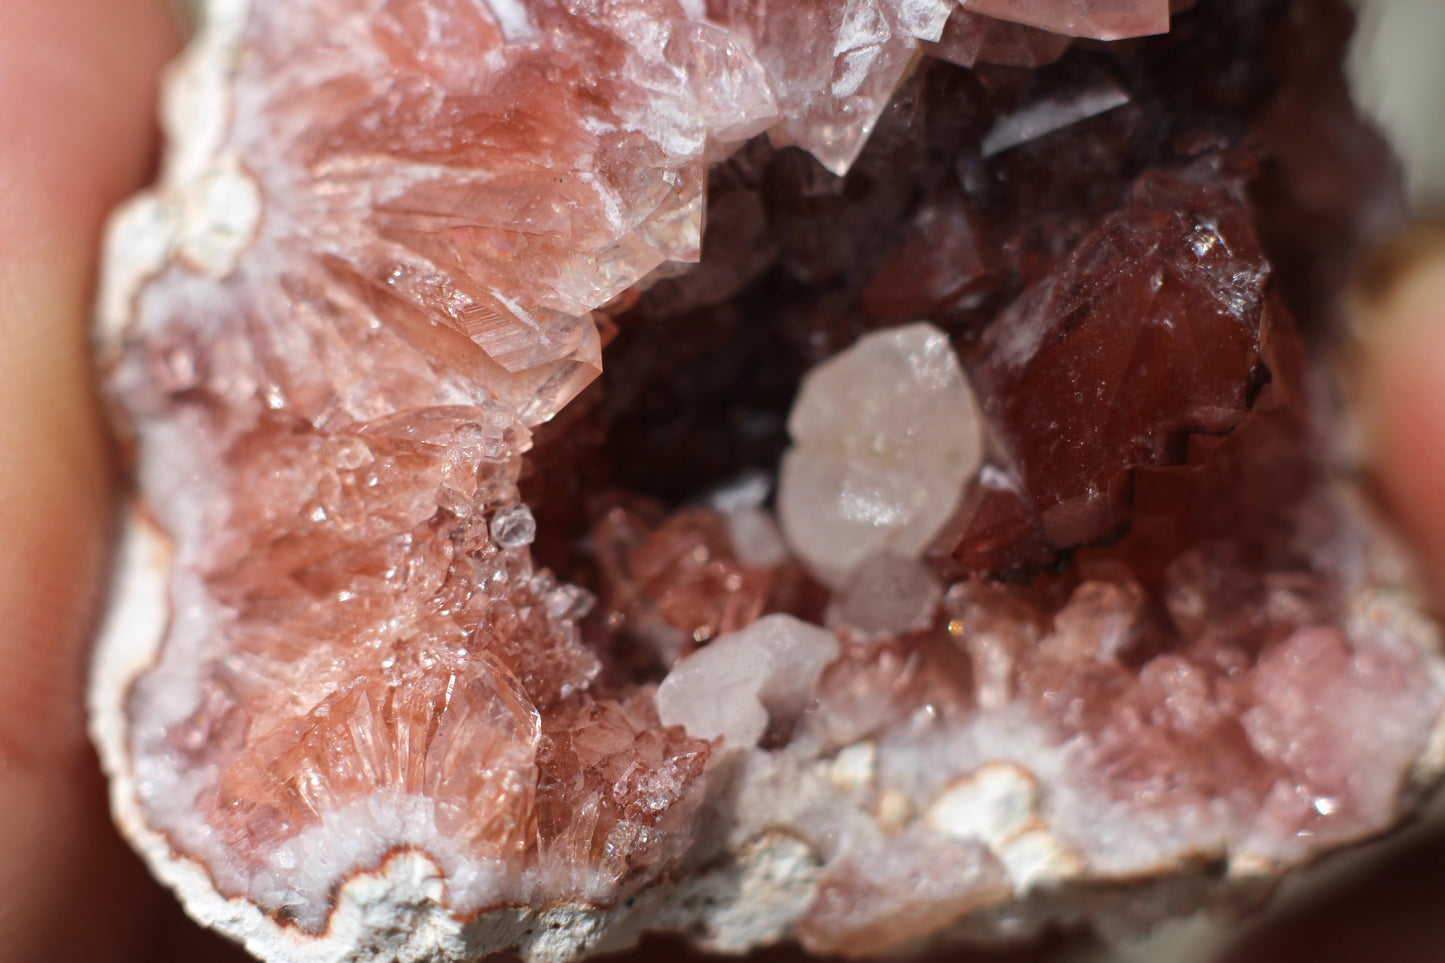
744, 680
887, 594
884, 436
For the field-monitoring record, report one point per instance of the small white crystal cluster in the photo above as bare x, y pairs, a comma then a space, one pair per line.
744, 680
885, 435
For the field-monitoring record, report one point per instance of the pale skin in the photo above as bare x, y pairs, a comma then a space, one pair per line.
77, 88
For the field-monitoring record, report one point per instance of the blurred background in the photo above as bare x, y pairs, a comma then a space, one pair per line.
1397, 66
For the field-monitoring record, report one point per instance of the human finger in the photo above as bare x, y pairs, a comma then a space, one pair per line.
77, 88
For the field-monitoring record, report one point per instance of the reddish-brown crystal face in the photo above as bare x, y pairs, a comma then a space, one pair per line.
1147, 332
676, 582
412, 609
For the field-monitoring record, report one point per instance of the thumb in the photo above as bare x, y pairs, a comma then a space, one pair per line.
1401, 313
77, 89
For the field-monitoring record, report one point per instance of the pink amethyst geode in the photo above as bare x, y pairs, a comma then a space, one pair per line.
955, 548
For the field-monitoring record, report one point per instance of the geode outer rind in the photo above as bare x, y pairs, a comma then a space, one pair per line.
757, 892
967, 814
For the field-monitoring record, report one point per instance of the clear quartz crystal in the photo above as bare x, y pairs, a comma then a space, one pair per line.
514, 526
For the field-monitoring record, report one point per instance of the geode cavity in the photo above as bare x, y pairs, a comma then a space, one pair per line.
952, 543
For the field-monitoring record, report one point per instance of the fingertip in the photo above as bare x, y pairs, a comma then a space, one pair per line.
1399, 307
78, 82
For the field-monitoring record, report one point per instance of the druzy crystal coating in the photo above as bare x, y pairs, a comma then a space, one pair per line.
955, 504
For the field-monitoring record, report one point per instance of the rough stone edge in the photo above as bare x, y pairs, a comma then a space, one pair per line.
204, 209
751, 897
395, 912
129, 643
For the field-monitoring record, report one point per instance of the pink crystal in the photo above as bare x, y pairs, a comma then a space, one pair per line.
1102, 19
970, 38
676, 580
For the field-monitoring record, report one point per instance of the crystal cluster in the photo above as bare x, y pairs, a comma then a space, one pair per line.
956, 547
885, 434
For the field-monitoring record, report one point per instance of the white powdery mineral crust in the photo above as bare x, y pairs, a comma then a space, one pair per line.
206, 208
